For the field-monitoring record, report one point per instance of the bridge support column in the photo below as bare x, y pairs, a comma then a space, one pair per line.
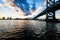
50, 16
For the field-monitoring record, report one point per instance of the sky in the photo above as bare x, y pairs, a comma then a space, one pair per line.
22, 8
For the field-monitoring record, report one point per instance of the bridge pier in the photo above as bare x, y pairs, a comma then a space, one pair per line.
50, 16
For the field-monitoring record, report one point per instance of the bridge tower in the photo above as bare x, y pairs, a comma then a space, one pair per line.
51, 14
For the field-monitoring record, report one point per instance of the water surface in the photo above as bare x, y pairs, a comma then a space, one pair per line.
26, 28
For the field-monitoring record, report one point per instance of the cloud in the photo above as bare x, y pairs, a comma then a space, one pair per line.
23, 5
17, 6
11, 5
38, 10
44, 2
2, 15
33, 14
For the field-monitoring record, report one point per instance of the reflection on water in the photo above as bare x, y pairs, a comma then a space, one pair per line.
51, 26
52, 32
28, 29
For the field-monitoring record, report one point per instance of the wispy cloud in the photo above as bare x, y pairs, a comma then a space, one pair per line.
11, 5
2, 15
33, 14
17, 9
44, 2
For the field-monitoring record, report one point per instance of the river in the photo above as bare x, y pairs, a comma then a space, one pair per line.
26, 28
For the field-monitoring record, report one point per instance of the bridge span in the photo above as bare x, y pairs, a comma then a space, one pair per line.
50, 10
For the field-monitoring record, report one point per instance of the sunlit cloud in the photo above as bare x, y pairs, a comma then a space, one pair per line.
11, 5
38, 10
44, 2
15, 7
2, 15
33, 14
